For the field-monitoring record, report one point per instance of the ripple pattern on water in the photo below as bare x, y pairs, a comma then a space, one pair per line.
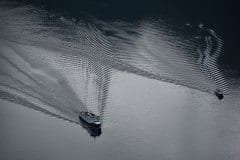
67, 66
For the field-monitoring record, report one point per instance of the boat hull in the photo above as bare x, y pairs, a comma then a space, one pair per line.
93, 131
89, 124
219, 95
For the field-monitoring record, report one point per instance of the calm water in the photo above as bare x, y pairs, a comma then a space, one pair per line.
150, 77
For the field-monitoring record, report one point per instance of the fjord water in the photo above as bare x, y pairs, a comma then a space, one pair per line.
151, 79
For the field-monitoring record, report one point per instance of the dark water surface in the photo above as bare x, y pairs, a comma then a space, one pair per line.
149, 73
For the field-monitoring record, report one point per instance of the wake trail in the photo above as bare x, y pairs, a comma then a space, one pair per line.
68, 65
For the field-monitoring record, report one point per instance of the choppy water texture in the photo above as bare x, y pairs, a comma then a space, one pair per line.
61, 66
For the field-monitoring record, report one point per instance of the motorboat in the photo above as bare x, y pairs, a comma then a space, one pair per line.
219, 94
93, 131
90, 118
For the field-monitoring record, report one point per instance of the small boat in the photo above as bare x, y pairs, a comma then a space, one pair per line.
219, 94
93, 131
90, 119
